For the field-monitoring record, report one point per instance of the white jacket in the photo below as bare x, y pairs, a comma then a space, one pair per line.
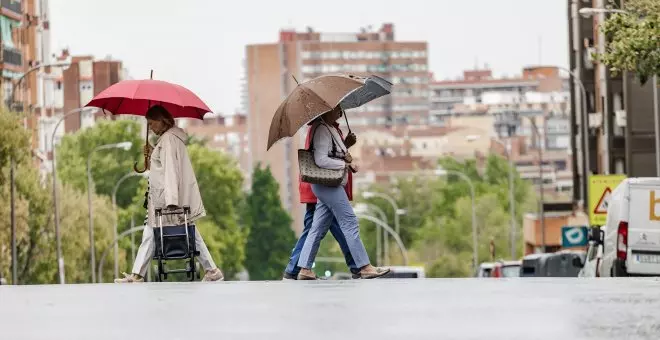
172, 180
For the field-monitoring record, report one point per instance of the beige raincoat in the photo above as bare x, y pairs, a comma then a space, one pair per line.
172, 180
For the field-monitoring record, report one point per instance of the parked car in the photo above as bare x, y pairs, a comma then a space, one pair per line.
591, 265
565, 263
404, 272
534, 265
632, 232
506, 269
485, 269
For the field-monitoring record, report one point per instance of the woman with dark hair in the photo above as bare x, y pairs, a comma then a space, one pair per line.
172, 184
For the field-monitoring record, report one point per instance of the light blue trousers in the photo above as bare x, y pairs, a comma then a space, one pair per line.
333, 203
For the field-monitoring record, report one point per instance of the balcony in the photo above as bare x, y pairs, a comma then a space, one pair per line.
12, 56
12, 6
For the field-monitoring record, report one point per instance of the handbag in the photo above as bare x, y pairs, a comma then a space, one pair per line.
312, 173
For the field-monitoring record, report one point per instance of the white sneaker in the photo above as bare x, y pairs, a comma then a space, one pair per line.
213, 275
130, 278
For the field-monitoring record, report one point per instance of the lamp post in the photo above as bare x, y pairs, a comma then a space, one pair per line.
122, 145
584, 117
475, 248
602, 74
512, 199
541, 208
389, 230
114, 211
58, 240
365, 207
397, 212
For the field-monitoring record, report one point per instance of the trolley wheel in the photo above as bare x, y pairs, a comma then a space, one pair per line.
198, 270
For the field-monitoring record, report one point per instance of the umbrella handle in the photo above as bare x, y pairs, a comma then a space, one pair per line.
346, 119
146, 157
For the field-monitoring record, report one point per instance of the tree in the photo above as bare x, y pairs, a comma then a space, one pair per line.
634, 39
37, 263
14, 141
270, 236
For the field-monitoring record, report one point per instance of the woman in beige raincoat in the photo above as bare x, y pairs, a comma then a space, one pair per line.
172, 184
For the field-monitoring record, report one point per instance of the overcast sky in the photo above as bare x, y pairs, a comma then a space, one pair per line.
200, 44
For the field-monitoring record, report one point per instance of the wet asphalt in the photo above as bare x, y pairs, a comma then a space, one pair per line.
508, 309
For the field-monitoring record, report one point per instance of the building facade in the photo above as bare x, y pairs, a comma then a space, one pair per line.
620, 122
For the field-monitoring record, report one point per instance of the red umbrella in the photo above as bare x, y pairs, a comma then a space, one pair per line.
135, 97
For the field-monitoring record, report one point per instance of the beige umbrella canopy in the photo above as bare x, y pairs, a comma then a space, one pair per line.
308, 101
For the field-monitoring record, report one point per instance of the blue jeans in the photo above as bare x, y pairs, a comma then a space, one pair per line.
293, 269
332, 205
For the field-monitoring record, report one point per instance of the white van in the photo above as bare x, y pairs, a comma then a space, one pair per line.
632, 232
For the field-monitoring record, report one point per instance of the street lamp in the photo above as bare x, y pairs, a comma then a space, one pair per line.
58, 240
397, 212
364, 207
602, 73
584, 116
114, 211
123, 145
512, 200
389, 230
541, 145
475, 248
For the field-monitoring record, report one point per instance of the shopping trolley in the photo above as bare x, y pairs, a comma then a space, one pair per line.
175, 243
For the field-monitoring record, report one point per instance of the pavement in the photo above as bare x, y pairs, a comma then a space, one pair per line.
507, 309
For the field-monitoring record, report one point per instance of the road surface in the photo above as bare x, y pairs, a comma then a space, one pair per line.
355, 309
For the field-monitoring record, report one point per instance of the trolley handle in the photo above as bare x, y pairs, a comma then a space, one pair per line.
164, 212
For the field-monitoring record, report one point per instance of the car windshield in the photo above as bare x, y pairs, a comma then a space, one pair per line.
511, 271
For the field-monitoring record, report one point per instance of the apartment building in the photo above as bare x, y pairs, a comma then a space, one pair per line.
620, 121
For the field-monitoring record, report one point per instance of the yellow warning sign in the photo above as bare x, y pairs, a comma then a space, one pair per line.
600, 191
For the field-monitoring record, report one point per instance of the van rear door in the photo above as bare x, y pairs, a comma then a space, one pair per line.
643, 253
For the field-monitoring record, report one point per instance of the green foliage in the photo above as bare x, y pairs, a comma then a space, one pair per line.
270, 236
634, 39
14, 141
437, 228
35, 234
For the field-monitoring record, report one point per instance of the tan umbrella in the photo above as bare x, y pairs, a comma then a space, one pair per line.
315, 97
